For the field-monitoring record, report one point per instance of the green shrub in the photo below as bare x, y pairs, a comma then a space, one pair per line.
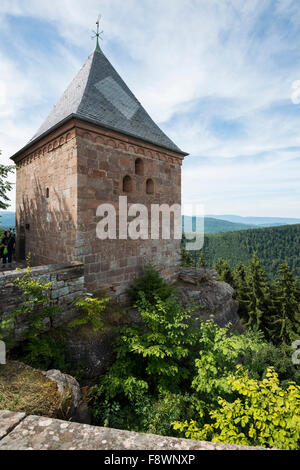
91, 310
39, 349
263, 414
219, 352
151, 356
151, 285
187, 259
36, 308
279, 357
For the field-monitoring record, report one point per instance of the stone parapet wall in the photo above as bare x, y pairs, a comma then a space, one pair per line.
18, 432
67, 284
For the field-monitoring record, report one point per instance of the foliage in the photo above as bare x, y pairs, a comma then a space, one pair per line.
270, 307
91, 310
225, 273
259, 302
38, 349
146, 414
155, 359
150, 357
170, 369
273, 246
201, 262
152, 285
263, 414
286, 318
186, 258
278, 357
5, 186
220, 351
36, 306
45, 352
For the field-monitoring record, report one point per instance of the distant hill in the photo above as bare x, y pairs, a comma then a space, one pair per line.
260, 221
273, 245
7, 219
218, 226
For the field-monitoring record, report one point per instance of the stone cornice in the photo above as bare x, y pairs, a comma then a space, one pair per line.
108, 138
47, 144
76, 128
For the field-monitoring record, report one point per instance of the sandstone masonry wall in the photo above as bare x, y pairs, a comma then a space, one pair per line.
46, 199
67, 284
104, 159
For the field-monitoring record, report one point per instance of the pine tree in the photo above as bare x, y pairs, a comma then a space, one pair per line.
186, 258
225, 273
259, 304
286, 325
201, 262
242, 293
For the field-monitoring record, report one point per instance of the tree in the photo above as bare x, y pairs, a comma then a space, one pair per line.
242, 294
186, 258
259, 304
5, 186
225, 273
201, 262
286, 324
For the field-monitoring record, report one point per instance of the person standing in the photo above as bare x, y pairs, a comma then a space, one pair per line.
8, 244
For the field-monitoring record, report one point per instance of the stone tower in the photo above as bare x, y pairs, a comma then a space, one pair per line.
98, 143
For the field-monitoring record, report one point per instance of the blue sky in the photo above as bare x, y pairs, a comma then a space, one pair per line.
221, 78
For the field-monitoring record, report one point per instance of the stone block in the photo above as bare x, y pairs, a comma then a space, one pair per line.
57, 293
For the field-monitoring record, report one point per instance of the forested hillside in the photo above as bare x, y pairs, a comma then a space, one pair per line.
212, 225
273, 246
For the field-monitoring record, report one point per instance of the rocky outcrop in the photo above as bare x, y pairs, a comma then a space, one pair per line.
78, 411
91, 351
199, 288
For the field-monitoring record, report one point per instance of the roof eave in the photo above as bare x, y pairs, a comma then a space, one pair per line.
40, 137
92, 121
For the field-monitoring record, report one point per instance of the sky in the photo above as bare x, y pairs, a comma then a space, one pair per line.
220, 77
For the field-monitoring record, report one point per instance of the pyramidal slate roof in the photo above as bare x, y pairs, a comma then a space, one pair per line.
99, 95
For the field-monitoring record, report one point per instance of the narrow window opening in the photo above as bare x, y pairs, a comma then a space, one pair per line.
139, 167
127, 184
150, 187
47, 193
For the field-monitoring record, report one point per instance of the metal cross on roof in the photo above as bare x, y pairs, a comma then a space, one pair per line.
97, 34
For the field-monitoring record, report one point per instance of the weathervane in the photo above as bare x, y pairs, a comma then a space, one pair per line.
98, 34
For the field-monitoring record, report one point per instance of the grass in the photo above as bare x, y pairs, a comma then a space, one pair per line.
23, 389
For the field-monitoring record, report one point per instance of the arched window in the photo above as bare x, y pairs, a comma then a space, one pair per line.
139, 167
150, 187
127, 184
47, 193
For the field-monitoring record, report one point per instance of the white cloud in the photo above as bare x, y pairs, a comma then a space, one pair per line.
187, 62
